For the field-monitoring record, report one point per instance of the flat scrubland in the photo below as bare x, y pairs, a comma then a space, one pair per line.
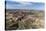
20, 19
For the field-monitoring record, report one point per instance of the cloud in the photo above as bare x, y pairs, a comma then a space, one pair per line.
21, 5
18, 3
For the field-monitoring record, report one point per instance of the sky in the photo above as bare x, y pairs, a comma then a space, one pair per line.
24, 4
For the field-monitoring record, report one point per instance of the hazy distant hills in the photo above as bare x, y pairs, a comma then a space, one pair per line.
24, 10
